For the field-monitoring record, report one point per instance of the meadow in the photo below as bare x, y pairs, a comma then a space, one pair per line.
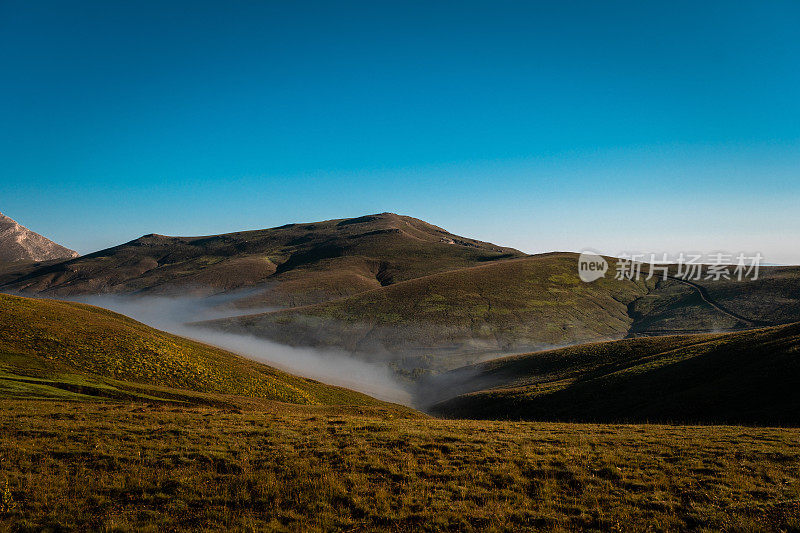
109, 425
117, 466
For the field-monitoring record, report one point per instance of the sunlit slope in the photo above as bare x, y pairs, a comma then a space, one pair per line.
748, 377
515, 304
295, 264
48, 346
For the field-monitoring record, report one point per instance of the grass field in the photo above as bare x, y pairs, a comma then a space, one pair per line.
109, 425
128, 466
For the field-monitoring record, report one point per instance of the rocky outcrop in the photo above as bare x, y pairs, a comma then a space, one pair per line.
18, 243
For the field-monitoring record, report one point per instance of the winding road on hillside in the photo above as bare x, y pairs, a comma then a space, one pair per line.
707, 299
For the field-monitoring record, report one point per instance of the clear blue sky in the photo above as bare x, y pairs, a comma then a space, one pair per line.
648, 126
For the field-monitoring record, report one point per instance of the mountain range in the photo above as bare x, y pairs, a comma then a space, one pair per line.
433, 306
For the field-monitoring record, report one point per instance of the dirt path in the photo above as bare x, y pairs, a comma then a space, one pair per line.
707, 299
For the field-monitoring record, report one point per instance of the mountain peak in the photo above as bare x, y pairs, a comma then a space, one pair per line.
18, 243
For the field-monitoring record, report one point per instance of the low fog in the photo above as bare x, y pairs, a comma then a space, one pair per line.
334, 367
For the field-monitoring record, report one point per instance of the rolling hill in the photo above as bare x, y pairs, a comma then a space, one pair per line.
452, 318
50, 348
290, 265
18, 243
397, 289
679, 306
461, 316
747, 377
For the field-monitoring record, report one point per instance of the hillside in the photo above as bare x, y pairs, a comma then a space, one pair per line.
747, 377
295, 264
450, 319
18, 243
674, 307
458, 317
399, 290
50, 348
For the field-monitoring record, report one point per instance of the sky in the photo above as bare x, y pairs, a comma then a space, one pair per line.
616, 126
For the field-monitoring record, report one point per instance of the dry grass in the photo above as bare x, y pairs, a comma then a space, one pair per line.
90, 466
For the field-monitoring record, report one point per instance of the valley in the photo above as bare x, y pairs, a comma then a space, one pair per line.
535, 400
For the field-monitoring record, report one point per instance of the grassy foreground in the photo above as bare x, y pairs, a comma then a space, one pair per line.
123, 466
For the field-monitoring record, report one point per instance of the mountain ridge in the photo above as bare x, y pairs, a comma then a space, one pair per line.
296, 263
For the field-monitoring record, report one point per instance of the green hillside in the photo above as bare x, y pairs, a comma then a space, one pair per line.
457, 317
396, 288
747, 377
447, 319
50, 348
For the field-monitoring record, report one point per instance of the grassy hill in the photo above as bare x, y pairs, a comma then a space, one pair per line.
676, 307
456, 317
450, 318
291, 265
50, 348
747, 377
392, 287
400, 290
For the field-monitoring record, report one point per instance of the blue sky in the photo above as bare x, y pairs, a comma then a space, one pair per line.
620, 126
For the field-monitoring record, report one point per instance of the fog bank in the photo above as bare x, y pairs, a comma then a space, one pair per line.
334, 367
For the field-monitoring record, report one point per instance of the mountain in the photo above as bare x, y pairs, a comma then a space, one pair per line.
747, 377
66, 350
18, 243
290, 265
405, 292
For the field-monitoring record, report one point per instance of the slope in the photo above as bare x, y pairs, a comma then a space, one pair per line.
448, 319
49, 347
695, 306
747, 377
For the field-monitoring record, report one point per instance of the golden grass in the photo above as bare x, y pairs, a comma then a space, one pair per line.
51, 339
90, 466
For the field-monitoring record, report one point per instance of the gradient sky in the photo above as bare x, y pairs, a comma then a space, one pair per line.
619, 126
